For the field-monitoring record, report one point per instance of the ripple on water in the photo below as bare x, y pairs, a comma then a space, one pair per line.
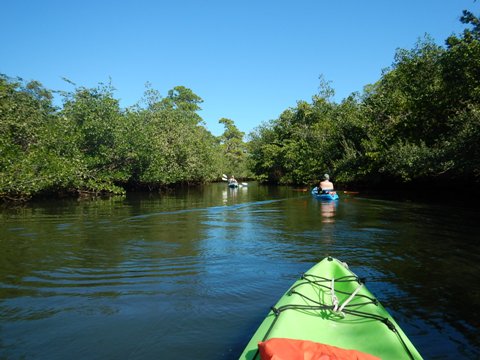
145, 278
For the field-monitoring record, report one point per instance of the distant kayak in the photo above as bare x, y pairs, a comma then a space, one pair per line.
325, 195
329, 312
233, 184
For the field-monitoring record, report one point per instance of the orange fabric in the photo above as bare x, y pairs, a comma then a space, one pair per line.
291, 349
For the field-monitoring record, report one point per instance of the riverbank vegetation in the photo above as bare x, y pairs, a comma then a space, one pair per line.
418, 124
90, 145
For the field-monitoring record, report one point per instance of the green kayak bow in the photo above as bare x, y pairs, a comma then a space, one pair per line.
330, 305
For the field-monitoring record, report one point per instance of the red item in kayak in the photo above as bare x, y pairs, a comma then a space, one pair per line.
291, 349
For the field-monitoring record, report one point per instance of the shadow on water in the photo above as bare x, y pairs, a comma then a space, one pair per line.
197, 269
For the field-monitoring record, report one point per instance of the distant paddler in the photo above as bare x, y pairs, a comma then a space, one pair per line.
232, 182
326, 186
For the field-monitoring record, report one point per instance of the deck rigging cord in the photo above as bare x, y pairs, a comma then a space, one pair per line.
343, 309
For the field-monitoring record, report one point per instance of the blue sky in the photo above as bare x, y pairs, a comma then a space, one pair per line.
248, 60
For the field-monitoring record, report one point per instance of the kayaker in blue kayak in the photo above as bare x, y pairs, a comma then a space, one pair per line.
232, 182
324, 190
326, 185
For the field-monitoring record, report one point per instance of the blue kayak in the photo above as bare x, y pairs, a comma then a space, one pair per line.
324, 194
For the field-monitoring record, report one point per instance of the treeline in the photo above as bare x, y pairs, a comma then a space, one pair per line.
90, 145
419, 124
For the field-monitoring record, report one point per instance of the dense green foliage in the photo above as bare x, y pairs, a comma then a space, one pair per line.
91, 145
418, 124
234, 151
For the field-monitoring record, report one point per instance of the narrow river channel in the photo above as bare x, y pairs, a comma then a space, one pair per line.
191, 274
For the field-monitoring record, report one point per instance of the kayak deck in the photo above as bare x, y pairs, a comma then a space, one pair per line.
324, 196
308, 311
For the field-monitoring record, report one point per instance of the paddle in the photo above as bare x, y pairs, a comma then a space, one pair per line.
225, 178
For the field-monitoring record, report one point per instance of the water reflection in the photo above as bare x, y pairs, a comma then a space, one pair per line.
147, 274
231, 195
328, 209
225, 196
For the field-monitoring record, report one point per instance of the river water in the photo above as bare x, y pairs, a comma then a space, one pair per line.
191, 274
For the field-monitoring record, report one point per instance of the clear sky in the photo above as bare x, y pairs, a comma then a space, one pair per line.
248, 60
